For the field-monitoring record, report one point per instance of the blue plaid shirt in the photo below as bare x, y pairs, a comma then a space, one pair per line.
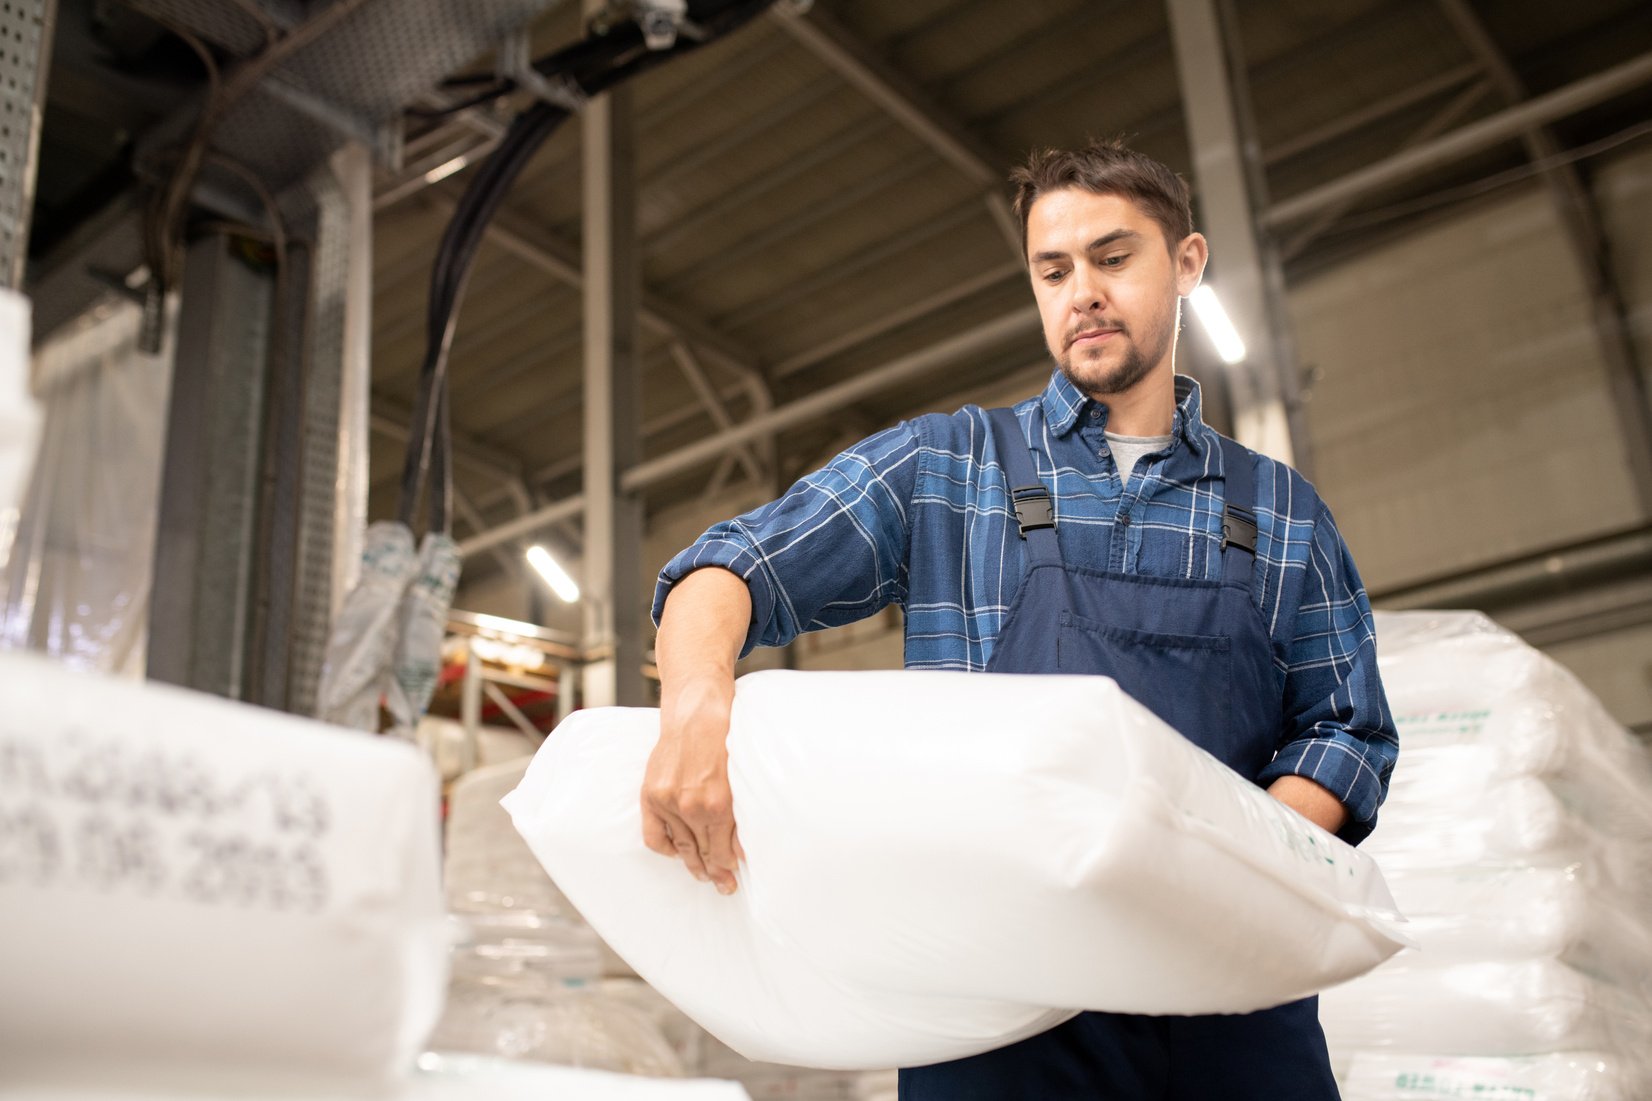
918, 515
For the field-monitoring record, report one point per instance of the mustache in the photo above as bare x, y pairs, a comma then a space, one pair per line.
1094, 327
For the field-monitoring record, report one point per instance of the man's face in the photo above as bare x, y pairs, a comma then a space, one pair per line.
1107, 286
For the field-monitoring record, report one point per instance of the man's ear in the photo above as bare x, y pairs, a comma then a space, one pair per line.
1189, 261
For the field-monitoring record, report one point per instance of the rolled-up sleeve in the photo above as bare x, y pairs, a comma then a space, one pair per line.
1339, 731
830, 551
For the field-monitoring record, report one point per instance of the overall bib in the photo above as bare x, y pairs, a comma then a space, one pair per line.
1197, 654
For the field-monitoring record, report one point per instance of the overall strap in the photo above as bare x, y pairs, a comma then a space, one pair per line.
1238, 513
1034, 511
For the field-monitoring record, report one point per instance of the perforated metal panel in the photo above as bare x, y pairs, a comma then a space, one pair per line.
349, 84
25, 47
228, 25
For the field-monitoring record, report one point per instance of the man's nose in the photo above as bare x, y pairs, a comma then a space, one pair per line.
1087, 291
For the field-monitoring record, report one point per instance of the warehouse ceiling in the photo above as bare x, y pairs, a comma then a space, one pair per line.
821, 194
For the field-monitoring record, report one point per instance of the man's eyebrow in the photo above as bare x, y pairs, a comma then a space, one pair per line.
1099, 243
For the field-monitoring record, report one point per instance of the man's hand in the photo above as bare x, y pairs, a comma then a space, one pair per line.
687, 807
1310, 801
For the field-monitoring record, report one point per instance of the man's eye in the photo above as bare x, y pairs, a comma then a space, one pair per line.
1115, 261
1053, 276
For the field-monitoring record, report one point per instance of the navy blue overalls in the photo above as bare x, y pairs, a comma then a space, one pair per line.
1198, 655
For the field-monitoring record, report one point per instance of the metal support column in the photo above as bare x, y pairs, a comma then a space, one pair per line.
25, 55
353, 166
1227, 172
207, 532
613, 519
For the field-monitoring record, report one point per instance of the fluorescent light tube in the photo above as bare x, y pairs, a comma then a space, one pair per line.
555, 576
1216, 324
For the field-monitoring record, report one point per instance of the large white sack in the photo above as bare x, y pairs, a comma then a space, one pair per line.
941, 863
194, 882
1560, 1076
1526, 1007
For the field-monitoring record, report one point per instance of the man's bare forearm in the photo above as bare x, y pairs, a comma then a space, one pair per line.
1310, 801
702, 627
687, 807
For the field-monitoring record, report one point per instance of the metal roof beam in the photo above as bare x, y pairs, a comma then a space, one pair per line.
903, 101
560, 260
1503, 126
943, 353
1580, 219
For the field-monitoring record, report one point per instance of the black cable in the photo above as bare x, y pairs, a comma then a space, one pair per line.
594, 64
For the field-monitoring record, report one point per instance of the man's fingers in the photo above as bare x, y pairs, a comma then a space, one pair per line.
688, 849
719, 856
656, 834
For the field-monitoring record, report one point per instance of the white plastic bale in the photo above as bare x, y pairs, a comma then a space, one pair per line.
1483, 913
1522, 1007
190, 882
942, 863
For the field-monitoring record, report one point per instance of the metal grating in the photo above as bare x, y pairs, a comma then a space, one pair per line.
25, 32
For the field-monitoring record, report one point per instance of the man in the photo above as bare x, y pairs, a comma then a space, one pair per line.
1100, 527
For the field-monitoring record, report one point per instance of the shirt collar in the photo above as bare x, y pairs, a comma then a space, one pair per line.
1065, 403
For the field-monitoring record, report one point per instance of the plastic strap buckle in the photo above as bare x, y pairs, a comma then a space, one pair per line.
1033, 509
1239, 528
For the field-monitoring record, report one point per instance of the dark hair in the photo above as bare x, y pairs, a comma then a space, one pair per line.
1106, 168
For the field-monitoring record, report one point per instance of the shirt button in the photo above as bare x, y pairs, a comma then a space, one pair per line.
1095, 414
1124, 519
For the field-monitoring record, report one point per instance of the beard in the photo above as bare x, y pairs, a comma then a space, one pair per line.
1091, 372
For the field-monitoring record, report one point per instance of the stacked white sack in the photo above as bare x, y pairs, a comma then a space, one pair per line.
196, 886
1516, 837
943, 863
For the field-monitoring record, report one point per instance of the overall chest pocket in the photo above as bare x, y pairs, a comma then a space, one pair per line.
1186, 680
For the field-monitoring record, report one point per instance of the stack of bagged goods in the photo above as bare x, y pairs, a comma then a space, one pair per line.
920, 886
533, 981
207, 900
1517, 837
197, 890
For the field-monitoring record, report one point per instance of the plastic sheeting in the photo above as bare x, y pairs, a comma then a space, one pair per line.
942, 863
76, 573
386, 643
356, 673
191, 883
19, 417
1517, 837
